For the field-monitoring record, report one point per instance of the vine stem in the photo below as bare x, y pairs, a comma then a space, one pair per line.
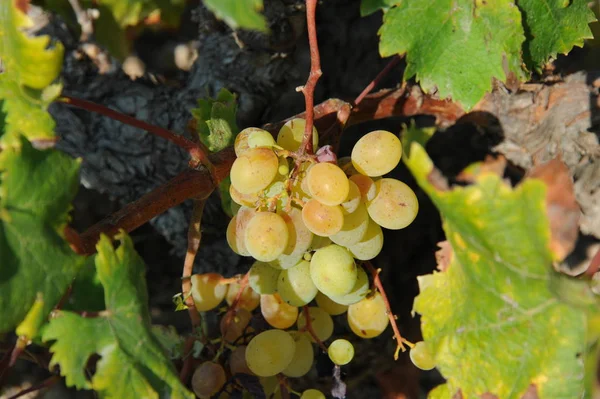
315, 73
400, 341
310, 330
47, 383
390, 65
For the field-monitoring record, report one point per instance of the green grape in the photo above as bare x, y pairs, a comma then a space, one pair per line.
237, 228
207, 291
353, 200
395, 206
345, 164
327, 183
321, 219
370, 245
237, 361
241, 141
262, 277
266, 236
376, 153
333, 270
354, 228
208, 379
295, 286
320, 321
249, 299
299, 241
277, 312
284, 166
312, 394
358, 292
365, 185
340, 352
368, 318
421, 357
254, 170
248, 200
233, 324
328, 305
291, 134
270, 352
270, 386
260, 138
303, 356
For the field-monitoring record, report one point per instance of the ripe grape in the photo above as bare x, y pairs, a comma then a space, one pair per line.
241, 141
365, 185
208, 379
328, 305
248, 200
206, 291
368, 318
260, 138
376, 153
291, 134
354, 228
299, 241
233, 324
237, 228
340, 352
327, 183
312, 394
254, 170
237, 361
320, 321
333, 270
395, 206
249, 299
277, 312
353, 199
295, 285
263, 278
421, 356
370, 245
303, 356
270, 352
321, 219
266, 236
358, 292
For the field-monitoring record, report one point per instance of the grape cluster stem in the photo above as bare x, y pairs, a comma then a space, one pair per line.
310, 330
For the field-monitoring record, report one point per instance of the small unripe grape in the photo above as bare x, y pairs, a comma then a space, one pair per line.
341, 352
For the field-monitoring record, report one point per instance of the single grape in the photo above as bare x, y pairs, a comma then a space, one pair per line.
353, 200
321, 322
291, 134
333, 270
365, 185
270, 352
266, 236
237, 228
270, 386
358, 292
371, 244
248, 200
312, 394
284, 166
395, 206
354, 228
421, 357
295, 285
233, 323
207, 291
249, 299
299, 241
376, 153
237, 361
263, 278
368, 318
303, 356
254, 170
208, 379
260, 138
241, 141
328, 305
277, 312
340, 352
321, 219
327, 183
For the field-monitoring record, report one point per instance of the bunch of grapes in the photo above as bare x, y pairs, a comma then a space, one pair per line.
306, 220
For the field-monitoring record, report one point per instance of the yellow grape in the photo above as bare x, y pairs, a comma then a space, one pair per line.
263, 278
249, 299
368, 318
248, 200
421, 357
312, 394
328, 305
358, 292
395, 206
299, 241
376, 153
237, 228
266, 236
291, 134
365, 185
208, 379
321, 322
233, 323
353, 200
341, 352
270, 352
254, 170
241, 141
260, 138
206, 291
295, 285
371, 244
321, 219
333, 270
237, 361
327, 183
277, 312
303, 356
354, 228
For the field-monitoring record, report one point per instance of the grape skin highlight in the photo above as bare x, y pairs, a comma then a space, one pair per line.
277, 312
207, 291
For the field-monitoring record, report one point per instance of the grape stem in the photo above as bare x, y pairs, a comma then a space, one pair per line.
310, 330
315, 73
47, 383
400, 341
393, 62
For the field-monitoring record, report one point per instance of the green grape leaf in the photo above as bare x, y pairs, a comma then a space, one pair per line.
215, 120
36, 188
456, 46
242, 14
553, 27
368, 7
491, 318
133, 363
30, 65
